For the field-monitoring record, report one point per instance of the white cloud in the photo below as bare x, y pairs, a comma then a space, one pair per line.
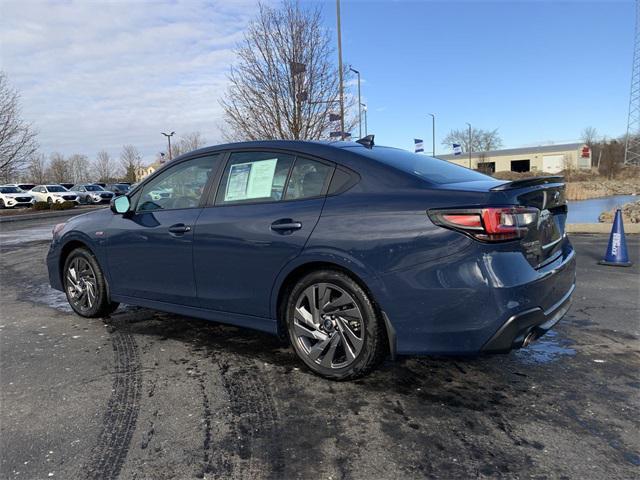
99, 75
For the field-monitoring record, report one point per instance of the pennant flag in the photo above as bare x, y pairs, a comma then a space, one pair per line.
457, 149
419, 145
334, 117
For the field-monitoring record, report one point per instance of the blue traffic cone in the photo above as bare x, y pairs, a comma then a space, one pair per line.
616, 255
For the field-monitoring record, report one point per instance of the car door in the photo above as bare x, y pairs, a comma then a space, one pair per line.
39, 191
82, 193
263, 215
149, 249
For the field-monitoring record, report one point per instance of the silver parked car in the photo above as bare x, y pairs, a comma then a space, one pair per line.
92, 193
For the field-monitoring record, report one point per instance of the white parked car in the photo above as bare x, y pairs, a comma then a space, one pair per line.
53, 194
13, 196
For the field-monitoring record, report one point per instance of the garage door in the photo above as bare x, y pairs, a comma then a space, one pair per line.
552, 163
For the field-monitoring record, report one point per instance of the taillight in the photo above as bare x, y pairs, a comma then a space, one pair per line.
491, 224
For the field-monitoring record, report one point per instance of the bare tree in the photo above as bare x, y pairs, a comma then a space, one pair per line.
103, 167
58, 168
187, 143
37, 169
589, 136
612, 158
131, 161
17, 138
78, 168
284, 84
480, 141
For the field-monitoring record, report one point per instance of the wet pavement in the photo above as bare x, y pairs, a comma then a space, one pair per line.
146, 394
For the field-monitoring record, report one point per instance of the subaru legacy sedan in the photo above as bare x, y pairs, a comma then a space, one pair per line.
350, 251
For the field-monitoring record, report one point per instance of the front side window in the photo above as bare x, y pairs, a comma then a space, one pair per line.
308, 179
252, 177
179, 187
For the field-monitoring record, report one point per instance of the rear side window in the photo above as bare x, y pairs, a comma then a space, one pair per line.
308, 179
254, 177
431, 169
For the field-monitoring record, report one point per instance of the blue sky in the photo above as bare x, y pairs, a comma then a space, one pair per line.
537, 71
95, 75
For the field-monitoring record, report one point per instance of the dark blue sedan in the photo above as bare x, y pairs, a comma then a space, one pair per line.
350, 251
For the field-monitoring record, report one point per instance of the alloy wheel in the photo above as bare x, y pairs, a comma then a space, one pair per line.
82, 285
328, 325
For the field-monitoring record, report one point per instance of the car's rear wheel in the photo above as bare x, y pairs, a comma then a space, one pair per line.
333, 326
85, 286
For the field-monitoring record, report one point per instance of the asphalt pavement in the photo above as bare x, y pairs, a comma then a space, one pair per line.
145, 394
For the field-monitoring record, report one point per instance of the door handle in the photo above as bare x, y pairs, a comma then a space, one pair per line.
179, 228
285, 225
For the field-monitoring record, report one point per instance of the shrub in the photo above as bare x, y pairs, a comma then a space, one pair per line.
63, 206
41, 206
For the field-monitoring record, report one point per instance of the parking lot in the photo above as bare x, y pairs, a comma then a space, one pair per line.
145, 394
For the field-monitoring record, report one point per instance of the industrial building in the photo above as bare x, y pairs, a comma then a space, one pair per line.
548, 158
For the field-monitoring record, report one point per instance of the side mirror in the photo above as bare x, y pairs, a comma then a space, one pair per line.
120, 204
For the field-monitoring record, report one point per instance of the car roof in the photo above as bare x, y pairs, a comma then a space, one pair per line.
311, 147
343, 153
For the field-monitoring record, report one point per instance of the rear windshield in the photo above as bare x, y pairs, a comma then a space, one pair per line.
431, 169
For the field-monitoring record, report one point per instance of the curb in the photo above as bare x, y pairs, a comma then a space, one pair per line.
600, 228
45, 215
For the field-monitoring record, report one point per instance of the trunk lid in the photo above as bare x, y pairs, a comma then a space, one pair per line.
543, 241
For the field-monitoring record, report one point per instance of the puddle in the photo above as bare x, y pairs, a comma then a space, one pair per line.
45, 295
549, 348
18, 237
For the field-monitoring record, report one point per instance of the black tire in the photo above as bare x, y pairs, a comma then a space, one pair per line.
2, 203
49, 200
372, 342
100, 306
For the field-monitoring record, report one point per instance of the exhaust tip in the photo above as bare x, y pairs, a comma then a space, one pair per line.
531, 336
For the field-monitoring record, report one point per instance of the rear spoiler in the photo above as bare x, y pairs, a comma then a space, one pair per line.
528, 182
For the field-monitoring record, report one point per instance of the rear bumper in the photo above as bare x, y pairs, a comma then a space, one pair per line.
522, 328
485, 299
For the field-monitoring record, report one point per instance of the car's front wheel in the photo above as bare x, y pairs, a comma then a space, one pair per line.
333, 326
2, 203
85, 286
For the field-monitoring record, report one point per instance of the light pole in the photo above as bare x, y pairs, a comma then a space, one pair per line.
364, 109
169, 135
469, 144
433, 134
359, 103
297, 69
340, 71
